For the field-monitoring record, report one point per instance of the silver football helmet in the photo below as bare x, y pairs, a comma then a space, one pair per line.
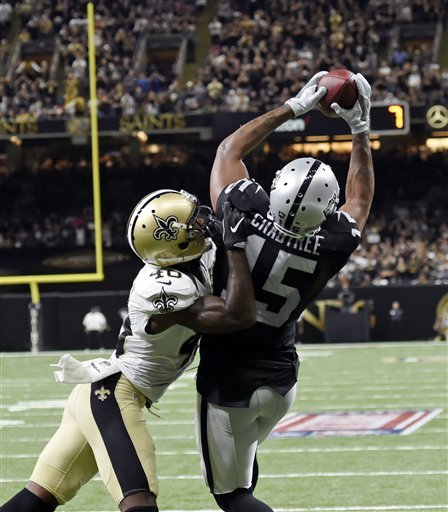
168, 227
303, 193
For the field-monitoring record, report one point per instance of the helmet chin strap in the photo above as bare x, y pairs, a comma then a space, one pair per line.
175, 260
305, 234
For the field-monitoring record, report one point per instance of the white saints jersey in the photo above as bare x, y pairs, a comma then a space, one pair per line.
153, 361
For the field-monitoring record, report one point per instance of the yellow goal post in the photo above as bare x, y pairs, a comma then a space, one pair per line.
34, 280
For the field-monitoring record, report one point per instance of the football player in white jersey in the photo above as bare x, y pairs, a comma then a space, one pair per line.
103, 428
297, 239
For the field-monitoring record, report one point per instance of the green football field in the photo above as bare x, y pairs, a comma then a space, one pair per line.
362, 473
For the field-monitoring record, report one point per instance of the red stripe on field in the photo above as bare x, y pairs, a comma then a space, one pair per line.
393, 423
294, 423
416, 420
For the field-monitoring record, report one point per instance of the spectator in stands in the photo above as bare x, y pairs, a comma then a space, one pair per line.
45, 25
215, 29
5, 15
79, 65
215, 91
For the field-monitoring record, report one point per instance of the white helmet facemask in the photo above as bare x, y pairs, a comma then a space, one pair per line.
303, 193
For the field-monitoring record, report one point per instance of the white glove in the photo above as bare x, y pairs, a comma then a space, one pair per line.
357, 117
78, 372
308, 97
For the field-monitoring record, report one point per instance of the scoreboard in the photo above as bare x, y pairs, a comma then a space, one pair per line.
385, 119
390, 118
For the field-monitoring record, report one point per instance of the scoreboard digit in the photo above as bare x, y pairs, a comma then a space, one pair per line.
390, 118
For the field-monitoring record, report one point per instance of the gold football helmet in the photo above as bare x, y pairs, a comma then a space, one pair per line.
168, 227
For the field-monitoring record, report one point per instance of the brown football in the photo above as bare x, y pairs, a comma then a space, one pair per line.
341, 89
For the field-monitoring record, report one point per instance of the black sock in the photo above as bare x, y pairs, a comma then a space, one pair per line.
143, 509
26, 501
248, 503
241, 500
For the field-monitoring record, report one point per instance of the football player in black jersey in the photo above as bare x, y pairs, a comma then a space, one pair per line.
297, 239
103, 427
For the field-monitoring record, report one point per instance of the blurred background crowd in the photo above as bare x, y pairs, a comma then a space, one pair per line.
251, 55
405, 241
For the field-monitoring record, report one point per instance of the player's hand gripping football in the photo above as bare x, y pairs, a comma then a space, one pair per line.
308, 97
357, 117
234, 228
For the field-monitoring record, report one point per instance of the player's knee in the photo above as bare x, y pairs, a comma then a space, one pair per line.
240, 500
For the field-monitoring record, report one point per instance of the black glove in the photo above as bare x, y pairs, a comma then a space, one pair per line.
234, 227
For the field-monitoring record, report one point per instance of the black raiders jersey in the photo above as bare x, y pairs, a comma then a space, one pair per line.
287, 273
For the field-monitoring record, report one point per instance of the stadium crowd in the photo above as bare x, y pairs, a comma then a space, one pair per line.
260, 53
405, 241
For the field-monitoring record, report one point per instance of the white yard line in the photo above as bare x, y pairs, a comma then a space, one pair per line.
347, 474
262, 451
306, 346
330, 474
154, 423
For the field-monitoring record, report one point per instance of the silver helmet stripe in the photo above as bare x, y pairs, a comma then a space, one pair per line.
301, 194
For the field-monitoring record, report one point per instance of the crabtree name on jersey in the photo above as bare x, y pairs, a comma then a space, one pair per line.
309, 245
